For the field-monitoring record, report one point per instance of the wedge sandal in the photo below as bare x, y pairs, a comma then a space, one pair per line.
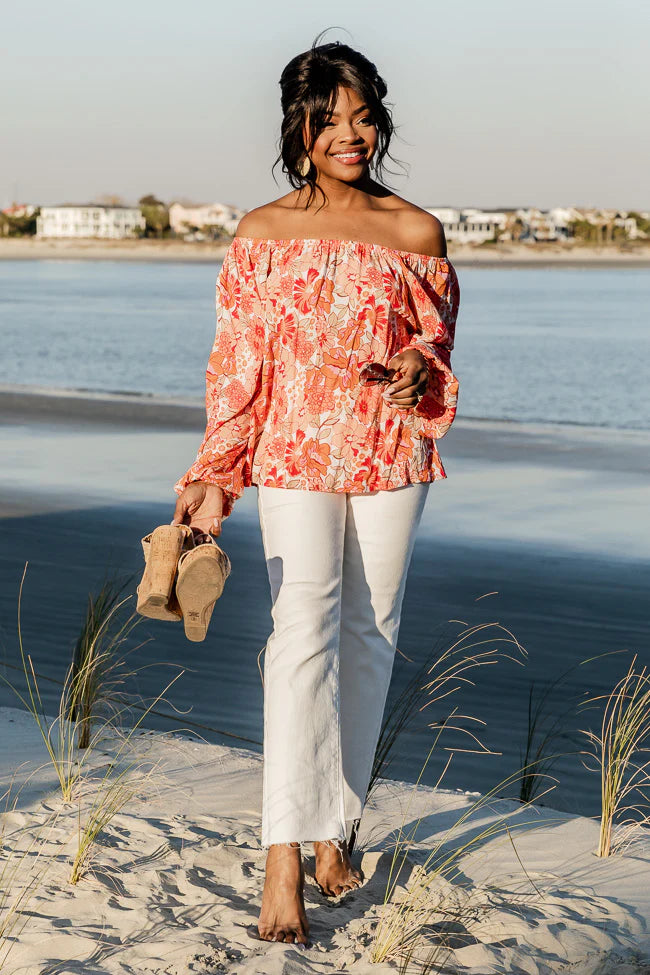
162, 550
202, 573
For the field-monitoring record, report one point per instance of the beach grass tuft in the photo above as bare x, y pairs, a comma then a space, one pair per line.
97, 672
127, 778
437, 895
620, 749
58, 732
445, 670
91, 706
442, 674
544, 730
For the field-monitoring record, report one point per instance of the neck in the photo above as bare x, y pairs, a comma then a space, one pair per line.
346, 196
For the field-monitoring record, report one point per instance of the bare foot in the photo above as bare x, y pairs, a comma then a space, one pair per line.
282, 917
334, 873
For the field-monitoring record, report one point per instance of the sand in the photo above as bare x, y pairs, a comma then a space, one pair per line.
463, 255
174, 884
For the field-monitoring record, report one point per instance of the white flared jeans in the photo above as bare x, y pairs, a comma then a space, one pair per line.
337, 566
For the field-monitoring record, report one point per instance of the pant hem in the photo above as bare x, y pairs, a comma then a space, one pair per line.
312, 839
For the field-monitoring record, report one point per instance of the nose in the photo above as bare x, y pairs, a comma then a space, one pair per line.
350, 134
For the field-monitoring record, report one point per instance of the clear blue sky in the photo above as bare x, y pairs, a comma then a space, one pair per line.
498, 102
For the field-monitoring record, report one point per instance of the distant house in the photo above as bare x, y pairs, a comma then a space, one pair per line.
19, 210
89, 220
187, 219
470, 226
15, 218
544, 225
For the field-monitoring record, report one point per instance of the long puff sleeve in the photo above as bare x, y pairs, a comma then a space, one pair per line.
434, 301
235, 398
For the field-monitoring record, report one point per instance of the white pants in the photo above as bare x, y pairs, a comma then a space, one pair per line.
337, 566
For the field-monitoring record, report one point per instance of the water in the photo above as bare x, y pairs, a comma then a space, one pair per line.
557, 345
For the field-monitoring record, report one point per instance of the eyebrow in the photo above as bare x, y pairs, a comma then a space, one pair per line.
362, 108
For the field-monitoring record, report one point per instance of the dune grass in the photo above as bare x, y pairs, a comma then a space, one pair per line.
544, 730
442, 674
126, 779
620, 749
430, 899
23, 867
91, 705
58, 733
445, 670
97, 675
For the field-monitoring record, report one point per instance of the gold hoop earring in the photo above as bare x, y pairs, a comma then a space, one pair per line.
304, 166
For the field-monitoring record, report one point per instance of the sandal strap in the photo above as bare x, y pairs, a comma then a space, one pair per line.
220, 554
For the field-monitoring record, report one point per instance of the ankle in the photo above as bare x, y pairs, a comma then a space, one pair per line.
340, 845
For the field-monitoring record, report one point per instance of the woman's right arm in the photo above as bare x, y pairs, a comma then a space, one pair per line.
209, 489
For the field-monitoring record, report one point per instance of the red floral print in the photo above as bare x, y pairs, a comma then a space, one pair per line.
296, 321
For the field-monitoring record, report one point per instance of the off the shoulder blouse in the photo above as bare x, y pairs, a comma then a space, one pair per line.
296, 321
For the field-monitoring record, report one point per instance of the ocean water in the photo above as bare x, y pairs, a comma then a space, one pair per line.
557, 345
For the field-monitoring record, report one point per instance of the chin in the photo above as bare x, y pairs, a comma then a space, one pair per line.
355, 174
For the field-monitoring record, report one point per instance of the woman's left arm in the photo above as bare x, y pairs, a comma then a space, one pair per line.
425, 362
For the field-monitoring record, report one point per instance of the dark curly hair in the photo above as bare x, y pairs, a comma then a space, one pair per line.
309, 85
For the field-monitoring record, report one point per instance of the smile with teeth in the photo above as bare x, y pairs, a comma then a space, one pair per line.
349, 156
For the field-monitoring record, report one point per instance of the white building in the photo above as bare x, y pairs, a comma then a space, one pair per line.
541, 225
89, 220
470, 226
186, 219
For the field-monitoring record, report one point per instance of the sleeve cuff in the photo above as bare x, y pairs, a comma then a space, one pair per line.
435, 412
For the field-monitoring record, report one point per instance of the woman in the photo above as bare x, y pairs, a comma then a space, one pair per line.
339, 274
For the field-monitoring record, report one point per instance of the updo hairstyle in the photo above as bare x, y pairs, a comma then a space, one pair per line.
309, 86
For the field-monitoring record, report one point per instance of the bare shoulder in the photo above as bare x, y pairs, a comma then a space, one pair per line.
423, 230
419, 230
265, 220
255, 223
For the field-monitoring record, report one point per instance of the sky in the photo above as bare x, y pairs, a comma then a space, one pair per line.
497, 103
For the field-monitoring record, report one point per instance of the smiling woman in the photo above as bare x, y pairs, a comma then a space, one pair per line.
316, 124
337, 281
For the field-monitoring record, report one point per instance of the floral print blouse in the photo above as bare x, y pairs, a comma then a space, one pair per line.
296, 321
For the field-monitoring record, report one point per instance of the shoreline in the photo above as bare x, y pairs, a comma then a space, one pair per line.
142, 409
178, 251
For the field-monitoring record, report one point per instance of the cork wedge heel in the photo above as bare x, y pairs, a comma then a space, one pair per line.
162, 549
202, 573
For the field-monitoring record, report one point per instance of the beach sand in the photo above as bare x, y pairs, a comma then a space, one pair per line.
551, 518
463, 255
174, 884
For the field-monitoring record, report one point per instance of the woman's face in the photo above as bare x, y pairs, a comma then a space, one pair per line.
345, 146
